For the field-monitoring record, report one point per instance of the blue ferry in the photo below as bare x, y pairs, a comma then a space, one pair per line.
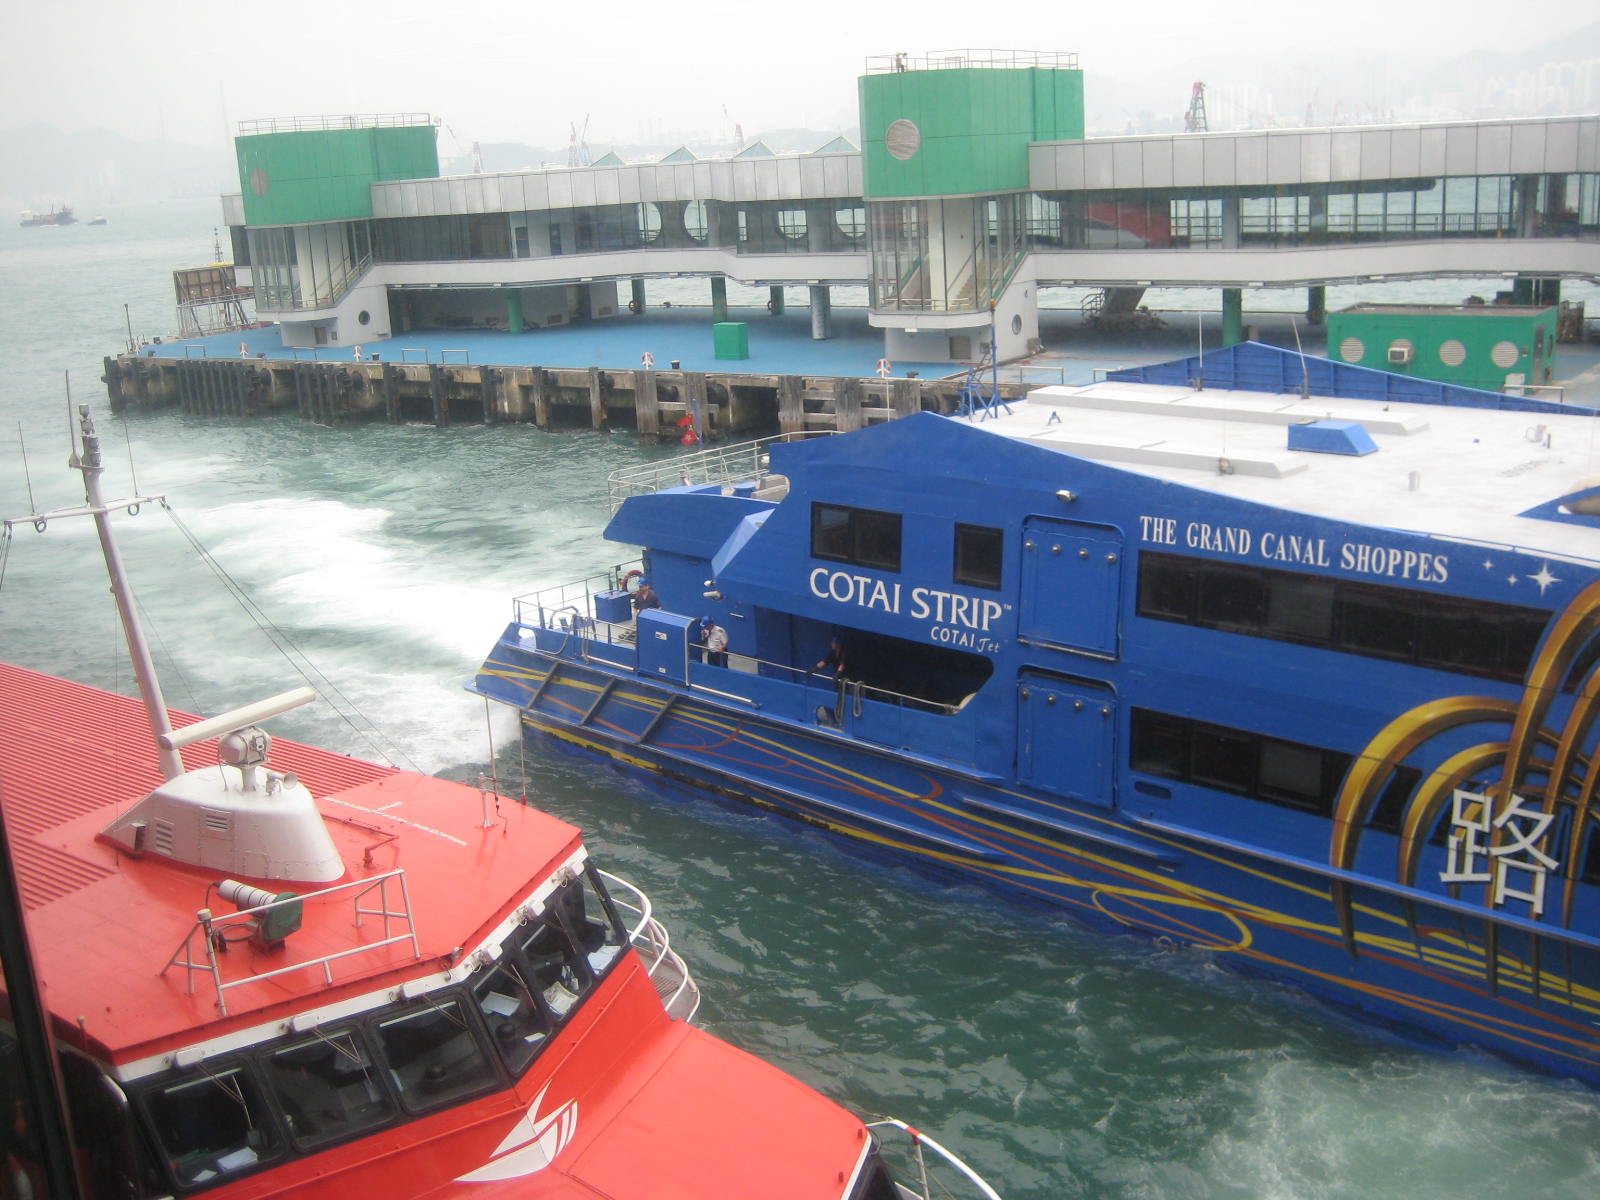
1287, 659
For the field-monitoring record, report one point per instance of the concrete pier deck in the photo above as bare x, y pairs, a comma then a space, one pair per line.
596, 373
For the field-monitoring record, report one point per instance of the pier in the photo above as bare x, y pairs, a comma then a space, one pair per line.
652, 402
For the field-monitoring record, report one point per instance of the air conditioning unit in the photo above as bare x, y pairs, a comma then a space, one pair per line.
1399, 355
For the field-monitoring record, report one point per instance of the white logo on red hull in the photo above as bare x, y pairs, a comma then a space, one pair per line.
532, 1144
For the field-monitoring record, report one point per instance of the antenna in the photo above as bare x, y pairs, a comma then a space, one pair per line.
1305, 375
27, 478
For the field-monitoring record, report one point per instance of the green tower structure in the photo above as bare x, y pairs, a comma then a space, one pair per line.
945, 141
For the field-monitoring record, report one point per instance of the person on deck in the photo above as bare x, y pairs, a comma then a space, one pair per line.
645, 597
715, 639
833, 661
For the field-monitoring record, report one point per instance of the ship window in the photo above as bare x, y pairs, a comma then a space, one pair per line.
1280, 772
212, 1125
1451, 633
433, 1055
1378, 625
980, 552
862, 536
519, 1024
327, 1088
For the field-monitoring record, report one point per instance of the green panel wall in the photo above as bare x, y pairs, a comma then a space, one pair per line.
326, 174
974, 125
1478, 331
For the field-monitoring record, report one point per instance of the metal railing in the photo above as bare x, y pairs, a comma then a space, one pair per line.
213, 931
569, 609
944, 60
650, 938
924, 1184
721, 465
332, 121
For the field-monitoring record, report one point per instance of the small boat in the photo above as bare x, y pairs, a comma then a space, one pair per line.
97, 220
1283, 658
271, 971
56, 216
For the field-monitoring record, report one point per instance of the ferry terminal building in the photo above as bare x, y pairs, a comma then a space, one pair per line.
974, 189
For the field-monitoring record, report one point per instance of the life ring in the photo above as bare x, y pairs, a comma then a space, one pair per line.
635, 307
647, 360
885, 368
772, 306
629, 578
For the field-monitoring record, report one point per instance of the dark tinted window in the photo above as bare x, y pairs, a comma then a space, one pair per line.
1452, 633
980, 552
862, 536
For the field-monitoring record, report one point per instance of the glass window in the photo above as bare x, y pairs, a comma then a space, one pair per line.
327, 1087
519, 1023
1233, 600
212, 1125
980, 553
862, 536
433, 1055
1376, 623
1292, 774
1167, 586
1224, 759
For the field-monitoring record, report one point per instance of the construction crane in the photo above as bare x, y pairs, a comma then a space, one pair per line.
1194, 121
578, 147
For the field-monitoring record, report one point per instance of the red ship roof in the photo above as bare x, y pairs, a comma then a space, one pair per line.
104, 924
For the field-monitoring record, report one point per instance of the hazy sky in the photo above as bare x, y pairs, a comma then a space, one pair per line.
653, 72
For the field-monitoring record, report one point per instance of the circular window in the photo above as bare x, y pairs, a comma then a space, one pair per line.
1452, 353
1352, 350
364, 316
1504, 354
259, 182
1016, 324
903, 139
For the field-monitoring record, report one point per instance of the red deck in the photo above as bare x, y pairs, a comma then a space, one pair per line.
104, 924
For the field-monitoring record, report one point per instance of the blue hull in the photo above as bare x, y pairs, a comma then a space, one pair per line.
1402, 956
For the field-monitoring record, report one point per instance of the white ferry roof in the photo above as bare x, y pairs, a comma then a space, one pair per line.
1459, 472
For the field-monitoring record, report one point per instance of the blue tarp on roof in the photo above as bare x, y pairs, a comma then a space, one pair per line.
1256, 367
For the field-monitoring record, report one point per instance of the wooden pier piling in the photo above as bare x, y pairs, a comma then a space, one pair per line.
731, 404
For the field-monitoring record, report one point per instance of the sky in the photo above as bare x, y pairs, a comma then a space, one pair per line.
660, 72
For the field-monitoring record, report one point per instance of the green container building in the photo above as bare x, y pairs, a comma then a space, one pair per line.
292, 175
962, 131
1499, 347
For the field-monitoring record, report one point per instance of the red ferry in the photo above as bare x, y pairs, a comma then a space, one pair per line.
308, 975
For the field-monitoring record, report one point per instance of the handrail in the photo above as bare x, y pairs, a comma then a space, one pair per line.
213, 930
739, 463
654, 944
918, 1141
345, 121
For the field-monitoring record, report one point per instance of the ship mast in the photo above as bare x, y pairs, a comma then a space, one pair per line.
88, 461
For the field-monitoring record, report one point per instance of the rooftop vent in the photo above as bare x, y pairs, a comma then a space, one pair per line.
1332, 437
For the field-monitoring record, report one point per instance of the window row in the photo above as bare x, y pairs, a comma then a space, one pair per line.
1293, 775
866, 537
233, 1116
1448, 633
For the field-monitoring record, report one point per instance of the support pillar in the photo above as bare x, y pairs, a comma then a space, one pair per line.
636, 304
719, 297
821, 312
775, 300
1317, 304
1232, 316
514, 319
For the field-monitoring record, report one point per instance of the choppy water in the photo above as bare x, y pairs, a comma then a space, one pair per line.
1063, 1064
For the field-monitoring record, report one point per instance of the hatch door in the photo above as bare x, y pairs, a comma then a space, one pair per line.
1071, 585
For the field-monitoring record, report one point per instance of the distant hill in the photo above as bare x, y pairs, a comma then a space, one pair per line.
40, 166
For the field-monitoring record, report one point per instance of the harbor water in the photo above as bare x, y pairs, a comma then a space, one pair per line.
1060, 1061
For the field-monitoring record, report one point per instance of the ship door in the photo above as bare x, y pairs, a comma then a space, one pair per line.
1064, 737
1071, 585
